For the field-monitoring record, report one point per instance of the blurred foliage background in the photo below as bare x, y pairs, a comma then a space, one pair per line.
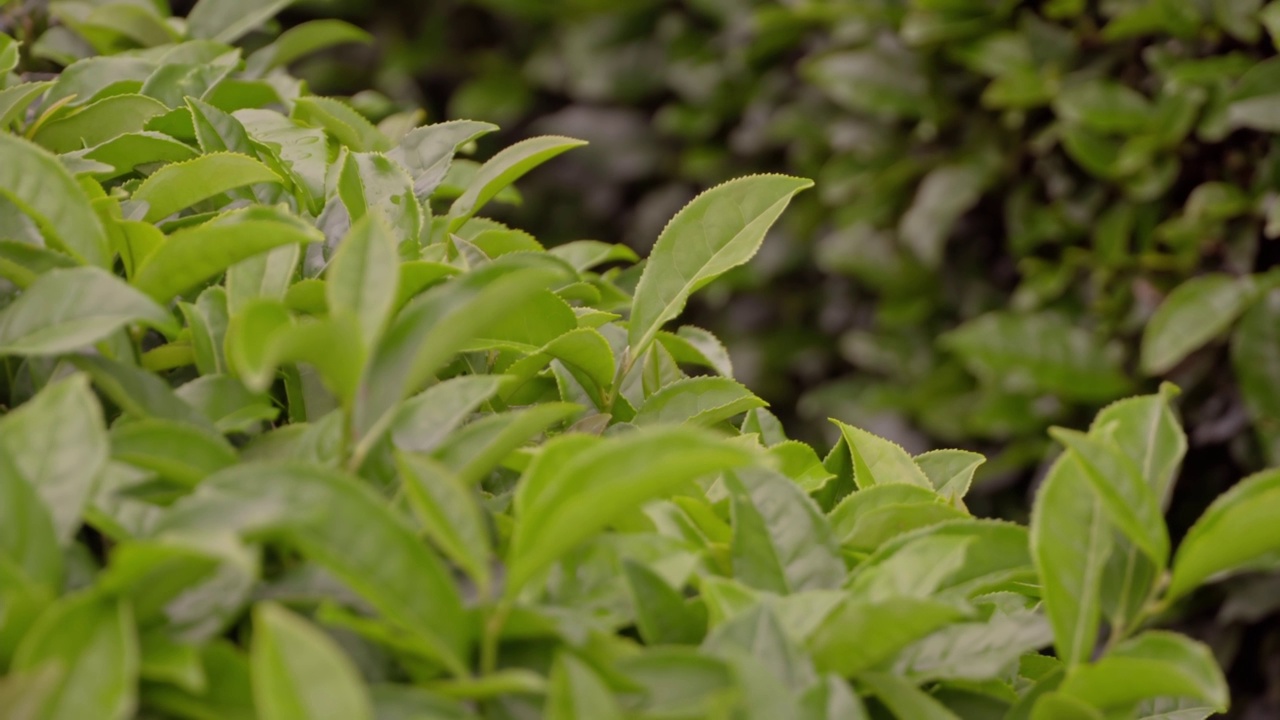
1025, 210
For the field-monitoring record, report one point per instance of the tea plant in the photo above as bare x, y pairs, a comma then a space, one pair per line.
984, 169
292, 431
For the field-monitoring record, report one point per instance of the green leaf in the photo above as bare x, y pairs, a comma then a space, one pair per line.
92, 639
371, 183
57, 443
1057, 706
168, 661
1042, 352
268, 275
1104, 106
1195, 313
583, 349
27, 535
1070, 572
858, 506
137, 392
161, 581
341, 121
663, 617
801, 464
975, 651
304, 39
67, 310
427, 152
93, 124
959, 560
1126, 497
576, 692
1145, 429
781, 541
228, 20
584, 255
131, 150
433, 328
342, 524
563, 501
1151, 665
904, 699
877, 461
504, 169
1255, 357
1238, 532
185, 454
264, 337
301, 674
450, 514
21, 264
178, 186
36, 182
697, 401
427, 419
363, 276
539, 320
944, 196
475, 450
302, 149
861, 635
950, 471
15, 100
719, 230
193, 255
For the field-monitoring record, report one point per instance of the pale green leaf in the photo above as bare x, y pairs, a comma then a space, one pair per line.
1070, 572
341, 121
1237, 532
67, 310
339, 522
178, 186
92, 639
427, 152
36, 182
861, 635
950, 471
98, 122
1126, 497
564, 501
1151, 665
904, 699
719, 230
57, 442
504, 169
450, 513
877, 461
193, 255
781, 541
299, 673
576, 692
362, 278
697, 401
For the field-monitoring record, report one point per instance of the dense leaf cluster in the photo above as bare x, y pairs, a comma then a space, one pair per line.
1016, 191
291, 431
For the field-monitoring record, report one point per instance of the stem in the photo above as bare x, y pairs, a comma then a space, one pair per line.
492, 631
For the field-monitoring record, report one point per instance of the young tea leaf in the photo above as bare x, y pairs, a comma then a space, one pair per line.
719, 230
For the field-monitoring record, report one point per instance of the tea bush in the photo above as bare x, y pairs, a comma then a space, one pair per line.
292, 431
1018, 192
